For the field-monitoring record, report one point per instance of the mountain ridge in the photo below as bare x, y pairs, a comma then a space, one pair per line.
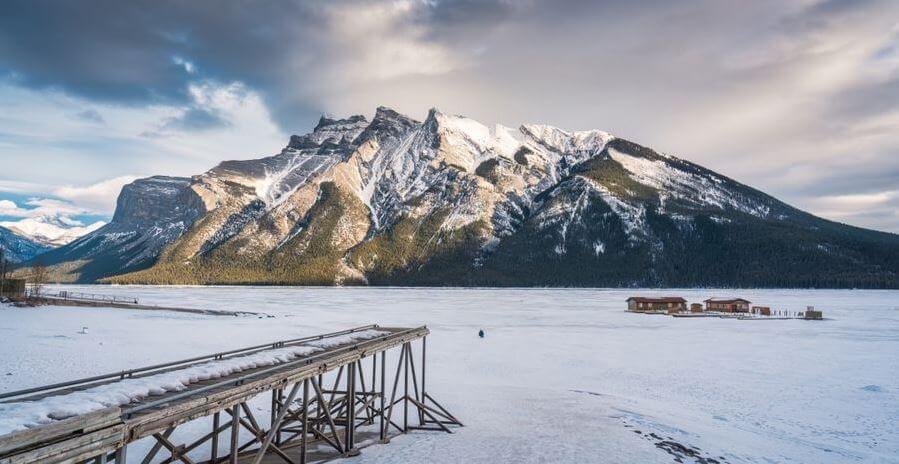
17, 247
450, 201
51, 231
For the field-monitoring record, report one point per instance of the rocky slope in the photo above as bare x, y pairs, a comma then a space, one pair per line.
19, 248
449, 201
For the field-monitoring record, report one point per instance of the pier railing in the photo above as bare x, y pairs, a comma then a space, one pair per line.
92, 297
325, 398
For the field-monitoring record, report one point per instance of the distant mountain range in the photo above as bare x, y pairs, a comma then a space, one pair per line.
449, 201
51, 231
18, 248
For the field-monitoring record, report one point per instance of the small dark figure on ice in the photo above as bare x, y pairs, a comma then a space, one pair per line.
481, 333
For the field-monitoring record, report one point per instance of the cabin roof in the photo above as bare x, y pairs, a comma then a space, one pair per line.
727, 300
662, 299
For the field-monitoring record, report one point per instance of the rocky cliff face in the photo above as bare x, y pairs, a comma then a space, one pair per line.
150, 214
449, 201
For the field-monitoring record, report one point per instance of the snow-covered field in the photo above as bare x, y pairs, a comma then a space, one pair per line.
563, 375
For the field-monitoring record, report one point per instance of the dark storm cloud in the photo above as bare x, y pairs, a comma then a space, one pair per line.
101, 50
126, 52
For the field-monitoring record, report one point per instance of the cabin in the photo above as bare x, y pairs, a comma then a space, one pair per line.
12, 288
668, 304
812, 315
696, 308
761, 310
727, 305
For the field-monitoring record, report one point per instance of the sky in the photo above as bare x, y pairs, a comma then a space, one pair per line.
799, 99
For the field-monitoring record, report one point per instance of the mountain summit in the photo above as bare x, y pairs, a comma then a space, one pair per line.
450, 201
51, 231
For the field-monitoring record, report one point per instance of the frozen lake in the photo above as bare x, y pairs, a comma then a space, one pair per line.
563, 375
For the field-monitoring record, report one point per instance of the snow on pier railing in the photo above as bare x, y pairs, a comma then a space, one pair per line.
125, 388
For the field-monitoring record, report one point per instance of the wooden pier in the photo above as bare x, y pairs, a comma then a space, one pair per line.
330, 397
93, 300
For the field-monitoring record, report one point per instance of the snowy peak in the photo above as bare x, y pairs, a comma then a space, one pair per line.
328, 123
387, 124
563, 141
331, 132
51, 231
465, 135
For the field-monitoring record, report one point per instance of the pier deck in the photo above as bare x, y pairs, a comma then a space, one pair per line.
318, 397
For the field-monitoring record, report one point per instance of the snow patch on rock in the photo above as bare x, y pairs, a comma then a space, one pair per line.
707, 190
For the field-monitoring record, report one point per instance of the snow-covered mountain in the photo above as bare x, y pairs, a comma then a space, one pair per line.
51, 231
450, 201
17, 248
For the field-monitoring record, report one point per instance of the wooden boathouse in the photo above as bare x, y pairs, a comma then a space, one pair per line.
727, 305
12, 288
334, 397
667, 304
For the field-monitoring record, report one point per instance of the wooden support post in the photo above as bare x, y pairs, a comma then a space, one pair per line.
304, 430
121, 455
318, 408
351, 406
235, 433
374, 376
383, 429
214, 453
273, 410
406, 388
414, 374
280, 402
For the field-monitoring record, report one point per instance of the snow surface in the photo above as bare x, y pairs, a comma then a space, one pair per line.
563, 375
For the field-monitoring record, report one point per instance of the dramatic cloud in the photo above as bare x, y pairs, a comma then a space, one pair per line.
68, 213
800, 99
40, 207
9, 208
96, 198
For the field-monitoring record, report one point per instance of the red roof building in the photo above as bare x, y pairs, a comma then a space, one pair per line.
727, 305
667, 303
